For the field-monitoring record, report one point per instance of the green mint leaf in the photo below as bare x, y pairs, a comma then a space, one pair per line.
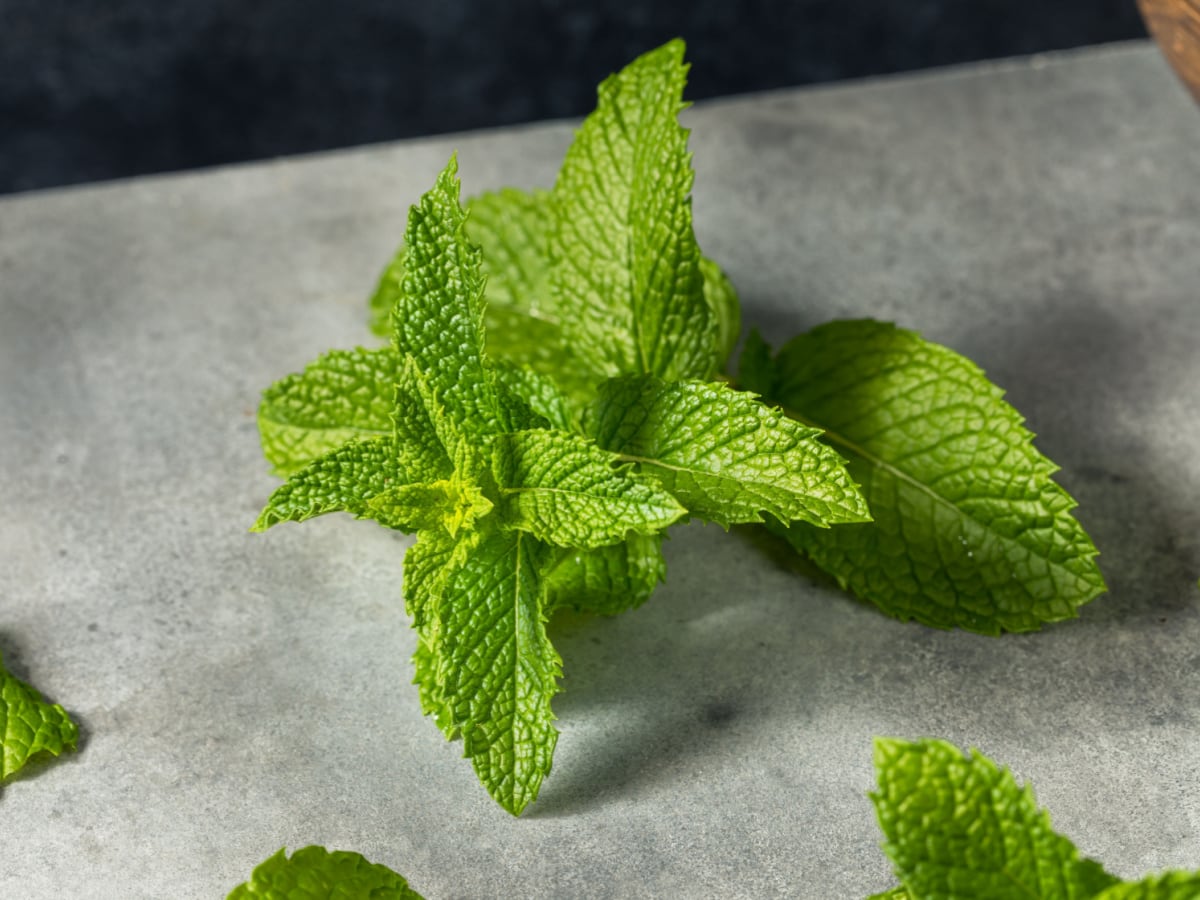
387, 292
624, 259
722, 300
438, 317
29, 726
451, 504
969, 528
564, 490
724, 455
497, 669
343, 480
896, 893
539, 394
426, 439
430, 687
959, 826
344, 394
314, 873
607, 580
1166, 886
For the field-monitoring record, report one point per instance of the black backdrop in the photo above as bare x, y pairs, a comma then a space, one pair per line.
93, 89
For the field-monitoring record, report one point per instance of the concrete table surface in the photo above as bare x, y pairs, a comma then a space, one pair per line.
237, 692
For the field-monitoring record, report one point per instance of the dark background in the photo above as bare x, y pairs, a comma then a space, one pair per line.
92, 90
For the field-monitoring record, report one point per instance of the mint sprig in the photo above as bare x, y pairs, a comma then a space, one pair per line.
550, 403
959, 827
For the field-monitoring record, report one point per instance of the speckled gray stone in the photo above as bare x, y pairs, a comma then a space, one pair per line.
240, 692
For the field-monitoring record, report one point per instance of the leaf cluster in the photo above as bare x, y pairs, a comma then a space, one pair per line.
552, 399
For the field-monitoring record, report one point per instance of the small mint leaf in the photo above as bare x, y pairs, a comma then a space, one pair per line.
959, 826
29, 726
724, 455
438, 316
451, 505
314, 872
426, 439
969, 528
344, 394
607, 580
563, 489
624, 259
343, 480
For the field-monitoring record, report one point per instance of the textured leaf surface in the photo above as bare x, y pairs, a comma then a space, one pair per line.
539, 393
722, 300
607, 580
451, 504
343, 480
969, 528
426, 439
29, 726
960, 827
438, 319
498, 668
314, 873
345, 394
623, 255
723, 454
564, 490
1167, 886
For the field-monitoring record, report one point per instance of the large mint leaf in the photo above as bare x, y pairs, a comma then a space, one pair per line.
960, 827
724, 455
564, 490
438, 317
314, 873
607, 580
969, 528
497, 668
29, 726
343, 480
1167, 886
345, 394
624, 258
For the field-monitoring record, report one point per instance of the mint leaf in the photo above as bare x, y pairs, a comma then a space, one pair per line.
343, 480
1167, 886
497, 667
607, 580
722, 300
959, 826
724, 455
896, 893
438, 318
564, 490
623, 255
344, 394
969, 528
29, 726
540, 394
451, 504
315, 873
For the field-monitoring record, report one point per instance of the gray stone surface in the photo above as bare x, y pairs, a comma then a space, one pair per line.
240, 692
